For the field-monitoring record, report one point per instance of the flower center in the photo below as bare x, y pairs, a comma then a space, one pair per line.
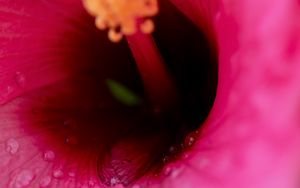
124, 111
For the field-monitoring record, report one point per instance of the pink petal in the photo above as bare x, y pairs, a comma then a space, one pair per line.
250, 138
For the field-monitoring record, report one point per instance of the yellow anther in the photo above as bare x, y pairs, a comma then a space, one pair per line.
147, 26
129, 27
100, 23
114, 36
124, 15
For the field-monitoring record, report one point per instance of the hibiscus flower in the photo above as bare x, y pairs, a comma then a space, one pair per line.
78, 110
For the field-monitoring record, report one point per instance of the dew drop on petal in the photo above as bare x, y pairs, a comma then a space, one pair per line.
172, 149
168, 170
45, 181
22, 179
12, 146
172, 172
166, 159
189, 141
175, 149
20, 79
49, 155
175, 172
185, 156
58, 173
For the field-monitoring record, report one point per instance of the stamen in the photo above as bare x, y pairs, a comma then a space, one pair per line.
147, 26
122, 14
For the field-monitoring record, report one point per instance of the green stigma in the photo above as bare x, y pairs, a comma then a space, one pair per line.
122, 93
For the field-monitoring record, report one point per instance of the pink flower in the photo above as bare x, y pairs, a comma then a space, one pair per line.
63, 125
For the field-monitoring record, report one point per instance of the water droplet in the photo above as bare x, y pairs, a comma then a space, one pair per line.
190, 139
20, 79
49, 155
58, 173
22, 179
45, 181
185, 156
175, 149
172, 149
166, 159
12, 146
72, 140
172, 171
167, 171
175, 172
114, 181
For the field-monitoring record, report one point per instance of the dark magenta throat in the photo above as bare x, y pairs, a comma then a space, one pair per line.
88, 124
